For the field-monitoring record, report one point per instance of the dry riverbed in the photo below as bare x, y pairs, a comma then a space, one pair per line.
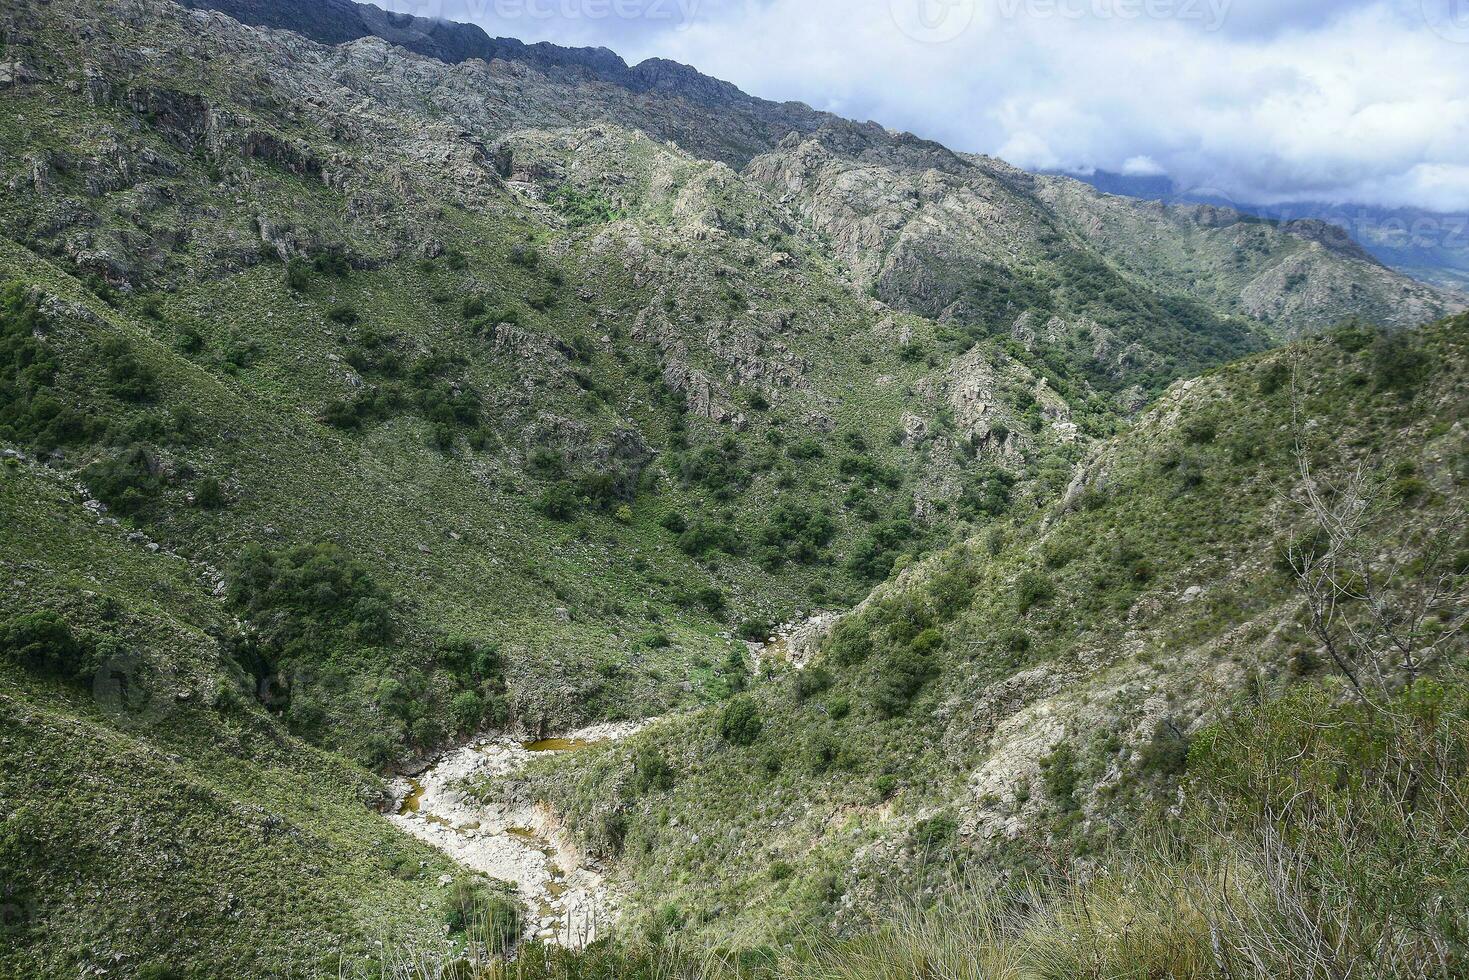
567, 900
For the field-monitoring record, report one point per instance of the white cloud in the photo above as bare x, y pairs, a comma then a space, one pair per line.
1348, 100
1142, 166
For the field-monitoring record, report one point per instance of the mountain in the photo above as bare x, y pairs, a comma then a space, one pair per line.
1035, 689
1430, 246
359, 394
739, 127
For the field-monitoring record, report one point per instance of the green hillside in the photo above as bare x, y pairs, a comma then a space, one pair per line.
1027, 696
354, 404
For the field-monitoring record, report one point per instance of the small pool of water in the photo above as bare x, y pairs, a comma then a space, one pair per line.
558, 745
414, 799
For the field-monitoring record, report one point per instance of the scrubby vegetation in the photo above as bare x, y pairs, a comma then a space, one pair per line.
1303, 849
1187, 576
330, 438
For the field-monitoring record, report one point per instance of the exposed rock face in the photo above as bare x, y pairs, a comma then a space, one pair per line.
704, 396
959, 237
662, 97
1297, 276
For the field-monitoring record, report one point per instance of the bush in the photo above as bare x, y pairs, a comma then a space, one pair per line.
1032, 589
1398, 364
467, 711
343, 314
739, 722
43, 642
31, 412
651, 772
128, 378
1274, 377
130, 483
1059, 771
304, 601
489, 916
756, 630
810, 682
719, 468
210, 495
795, 533
850, 644
298, 275
559, 501
805, 448
901, 676
159, 971
473, 307
703, 537
986, 494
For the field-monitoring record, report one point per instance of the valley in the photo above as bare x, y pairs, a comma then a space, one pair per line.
466, 501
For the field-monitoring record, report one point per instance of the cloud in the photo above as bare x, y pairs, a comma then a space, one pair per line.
1352, 101
1142, 166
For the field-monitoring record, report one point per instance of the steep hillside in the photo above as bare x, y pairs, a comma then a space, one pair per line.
152, 811
1021, 700
1118, 290
667, 99
1300, 276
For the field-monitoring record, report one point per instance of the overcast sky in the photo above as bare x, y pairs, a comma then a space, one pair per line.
1259, 100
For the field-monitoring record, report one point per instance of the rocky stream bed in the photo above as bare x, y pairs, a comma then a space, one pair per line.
567, 897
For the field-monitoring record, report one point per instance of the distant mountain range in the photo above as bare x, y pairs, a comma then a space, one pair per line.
1430, 246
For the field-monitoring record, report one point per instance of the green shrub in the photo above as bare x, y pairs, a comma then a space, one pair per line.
704, 536
344, 314
559, 501
488, 916
129, 483
298, 275
1275, 376
209, 495
1033, 589
651, 772
795, 533
739, 722
467, 711
805, 448
986, 493
1398, 363
304, 602
582, 208
128, 378
902, 674
756, 630
43, 642
160, 971
850, 643
936, 834
1061, 776
811, 682
32, 411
